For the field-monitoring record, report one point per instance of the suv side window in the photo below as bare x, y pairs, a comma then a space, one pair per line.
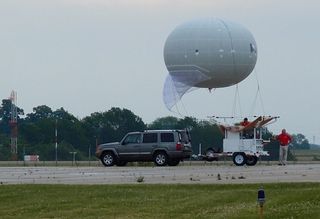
132, 139
150, 138
167, 137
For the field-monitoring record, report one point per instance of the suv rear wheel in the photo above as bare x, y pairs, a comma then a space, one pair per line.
160, 158
108, 159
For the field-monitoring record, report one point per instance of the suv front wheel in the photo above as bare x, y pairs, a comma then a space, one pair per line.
108, 159
160, 158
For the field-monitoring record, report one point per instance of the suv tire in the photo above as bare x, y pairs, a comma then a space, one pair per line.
160, 158
108, 159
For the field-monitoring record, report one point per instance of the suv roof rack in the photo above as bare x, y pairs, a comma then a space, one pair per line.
165, 130
159, 130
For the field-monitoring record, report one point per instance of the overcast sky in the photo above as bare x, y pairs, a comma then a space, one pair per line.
90, 55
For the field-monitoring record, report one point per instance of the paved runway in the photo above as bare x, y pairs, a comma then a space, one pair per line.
210, 174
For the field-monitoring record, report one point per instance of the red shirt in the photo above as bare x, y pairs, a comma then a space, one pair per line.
284, 139
244, 123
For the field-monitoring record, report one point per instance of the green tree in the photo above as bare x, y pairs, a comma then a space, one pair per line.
299, 141
168, 122
187, 123
111, 125
40, 112
5, 115
70, 130
208, 135
5, 151
38, 131
38, 126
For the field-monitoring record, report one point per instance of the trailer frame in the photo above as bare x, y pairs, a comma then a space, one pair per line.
244, 144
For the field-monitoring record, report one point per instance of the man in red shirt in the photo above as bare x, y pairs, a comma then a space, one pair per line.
284, 139
246, 133
245, 122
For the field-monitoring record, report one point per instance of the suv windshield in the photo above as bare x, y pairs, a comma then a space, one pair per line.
132, 139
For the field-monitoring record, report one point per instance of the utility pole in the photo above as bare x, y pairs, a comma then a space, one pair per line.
314, 140
56, 138
73, 156
14, 126
89, 155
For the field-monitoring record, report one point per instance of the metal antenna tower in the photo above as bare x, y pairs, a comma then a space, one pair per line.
14, 126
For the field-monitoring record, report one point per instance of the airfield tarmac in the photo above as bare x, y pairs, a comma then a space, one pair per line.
185, 174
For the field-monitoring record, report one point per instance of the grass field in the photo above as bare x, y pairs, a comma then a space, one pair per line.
296, 200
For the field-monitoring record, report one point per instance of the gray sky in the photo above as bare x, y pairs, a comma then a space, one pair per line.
90, 55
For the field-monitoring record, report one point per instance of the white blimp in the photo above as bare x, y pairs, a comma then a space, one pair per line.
206, 53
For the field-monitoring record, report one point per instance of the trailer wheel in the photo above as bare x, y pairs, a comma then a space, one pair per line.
239, 159
251, 160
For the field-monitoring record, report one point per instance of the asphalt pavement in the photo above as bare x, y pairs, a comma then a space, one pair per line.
185, 174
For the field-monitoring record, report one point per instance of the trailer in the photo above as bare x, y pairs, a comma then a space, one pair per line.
243, 143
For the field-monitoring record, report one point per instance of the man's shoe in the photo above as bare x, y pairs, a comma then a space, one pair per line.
279, 164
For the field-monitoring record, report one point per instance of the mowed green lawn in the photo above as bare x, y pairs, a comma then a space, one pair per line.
296, 200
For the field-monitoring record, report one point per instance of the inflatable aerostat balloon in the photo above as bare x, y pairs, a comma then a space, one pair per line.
206, 53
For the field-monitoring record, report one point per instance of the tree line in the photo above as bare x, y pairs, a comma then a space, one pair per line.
36, 131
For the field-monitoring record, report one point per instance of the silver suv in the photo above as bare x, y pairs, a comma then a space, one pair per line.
163, 147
